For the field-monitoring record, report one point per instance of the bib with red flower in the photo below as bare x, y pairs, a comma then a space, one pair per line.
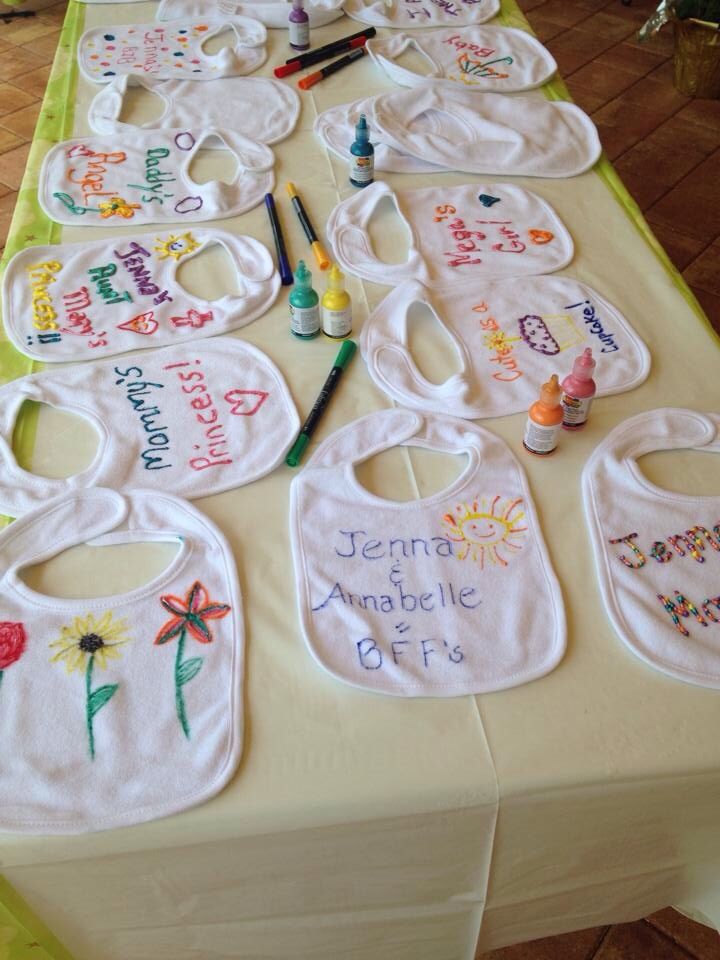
124, 708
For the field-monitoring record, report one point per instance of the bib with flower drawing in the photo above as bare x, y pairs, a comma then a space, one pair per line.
476, 231
90, 183
118, 709
273, 13
421, 13
498, 59
172, 50
82, 301
507, 336
658, 552
233, 106
191, 420
448, 595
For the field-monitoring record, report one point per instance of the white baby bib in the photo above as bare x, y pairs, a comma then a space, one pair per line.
449, 595
456, 233
421, 13
82, 301
234, 105
658, 552
273, 13
451, 126
191, 420
508, 336
172, 50
498, 59
88, 182
335, 124
118, 709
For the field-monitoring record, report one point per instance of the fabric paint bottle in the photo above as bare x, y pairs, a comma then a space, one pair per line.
579, 388
299, 26
362, 161
336, 306
304, 306
544, 420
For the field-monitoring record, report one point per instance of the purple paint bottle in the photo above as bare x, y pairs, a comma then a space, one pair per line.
299, 26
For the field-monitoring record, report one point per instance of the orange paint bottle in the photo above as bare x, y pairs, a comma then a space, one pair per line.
544, 420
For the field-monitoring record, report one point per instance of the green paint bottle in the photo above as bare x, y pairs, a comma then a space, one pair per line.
304, 305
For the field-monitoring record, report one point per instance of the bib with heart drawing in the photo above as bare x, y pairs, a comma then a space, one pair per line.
82, 301
456, 233
658, 552
235, 104
421, 13
172, 50
488, 58
89, 182
449, 595
192, 420
118, 709
508, 336
273, 13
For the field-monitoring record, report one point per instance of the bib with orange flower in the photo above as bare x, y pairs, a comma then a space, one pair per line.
104, 725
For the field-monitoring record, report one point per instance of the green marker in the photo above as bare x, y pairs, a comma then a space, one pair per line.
308, 428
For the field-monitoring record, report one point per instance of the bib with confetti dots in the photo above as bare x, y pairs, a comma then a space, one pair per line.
83, 301
508, 336
442, 596
144, 177
117, 709
174, 49
657, 551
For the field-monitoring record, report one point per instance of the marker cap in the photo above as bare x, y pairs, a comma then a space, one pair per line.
297, 450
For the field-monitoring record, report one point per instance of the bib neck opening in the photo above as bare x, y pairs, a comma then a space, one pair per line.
210, 274
388, 234
39, 441
413, 474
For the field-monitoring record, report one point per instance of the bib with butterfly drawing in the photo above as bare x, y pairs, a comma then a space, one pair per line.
507, 337
172, 50
273, 13
498, 59
191, 420
233, 105
421, 13
124, 708
447, 595
89, 182
82, 301
456, 233
658, 552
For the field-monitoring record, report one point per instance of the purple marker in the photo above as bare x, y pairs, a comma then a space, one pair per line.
299, 27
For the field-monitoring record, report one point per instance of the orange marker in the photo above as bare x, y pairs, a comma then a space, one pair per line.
313, 78
544, 420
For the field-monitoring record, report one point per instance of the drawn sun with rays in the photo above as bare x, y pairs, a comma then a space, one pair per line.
176, 246
487, 528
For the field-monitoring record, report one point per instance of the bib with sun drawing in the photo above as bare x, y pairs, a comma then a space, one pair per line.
441, 596
83, 301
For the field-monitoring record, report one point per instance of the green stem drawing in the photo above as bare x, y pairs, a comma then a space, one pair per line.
179, 698
88, 705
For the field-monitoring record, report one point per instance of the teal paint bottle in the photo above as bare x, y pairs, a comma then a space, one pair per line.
304, 305
362, 162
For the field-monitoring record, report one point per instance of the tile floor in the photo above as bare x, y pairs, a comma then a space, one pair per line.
666, 148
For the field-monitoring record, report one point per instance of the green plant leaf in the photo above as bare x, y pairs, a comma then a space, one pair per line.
188, 670
99, 697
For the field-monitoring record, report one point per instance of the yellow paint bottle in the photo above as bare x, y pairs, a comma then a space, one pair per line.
336, 306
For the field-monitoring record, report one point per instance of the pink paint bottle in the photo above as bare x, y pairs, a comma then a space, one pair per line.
578, 392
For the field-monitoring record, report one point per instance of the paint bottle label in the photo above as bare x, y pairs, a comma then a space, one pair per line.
576, 410
299, 34
539, 439
362, 169
337, 323
305, 321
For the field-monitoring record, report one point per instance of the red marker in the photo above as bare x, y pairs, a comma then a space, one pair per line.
333, 67
324, 53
